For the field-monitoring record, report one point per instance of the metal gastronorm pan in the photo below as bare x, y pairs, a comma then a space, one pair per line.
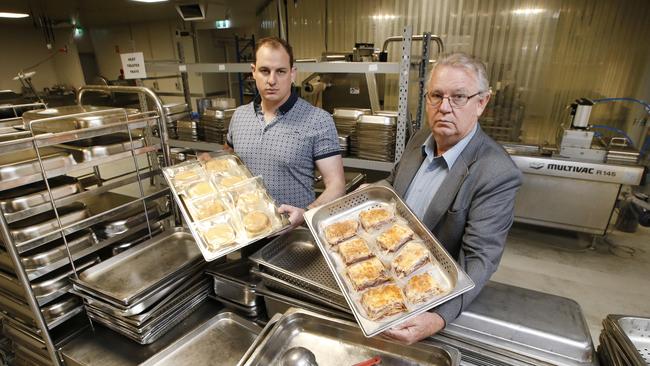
350, 206
132, 273
340, 342
231, 332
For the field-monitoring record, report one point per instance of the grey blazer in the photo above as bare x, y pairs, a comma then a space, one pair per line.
472, 211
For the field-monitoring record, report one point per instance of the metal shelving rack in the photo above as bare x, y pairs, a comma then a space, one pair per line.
401, 68
44, 333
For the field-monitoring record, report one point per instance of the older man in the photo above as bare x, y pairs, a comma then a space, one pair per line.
283, 138
459, 182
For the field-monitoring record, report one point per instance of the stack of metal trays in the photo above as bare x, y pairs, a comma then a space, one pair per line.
533, 328
175, 112
527, 327
625, 340
293, 265
10, 134
187, 130
214, 124
346, 120
344, 142
376, 137
146, 290
232, 333
335, 341
36, 259
234, 287
54, 313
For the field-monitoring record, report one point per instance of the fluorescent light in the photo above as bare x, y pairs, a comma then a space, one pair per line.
384, 17
150, 1
13, 15
528, 11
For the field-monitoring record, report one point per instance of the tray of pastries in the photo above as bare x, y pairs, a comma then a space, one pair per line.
224, 205
387, 264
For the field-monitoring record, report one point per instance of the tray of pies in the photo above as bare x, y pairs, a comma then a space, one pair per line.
387, 264
224, 206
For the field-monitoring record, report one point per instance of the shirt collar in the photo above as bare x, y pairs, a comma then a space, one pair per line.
284, 108
450, 156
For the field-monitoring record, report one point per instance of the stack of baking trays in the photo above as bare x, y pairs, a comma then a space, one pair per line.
92, 218
175, 112
346, 120
187, 130
234, 287
625, 340
214, 123
145, 291
376, 136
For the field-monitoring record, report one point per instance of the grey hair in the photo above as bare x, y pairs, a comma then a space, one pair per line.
467, 62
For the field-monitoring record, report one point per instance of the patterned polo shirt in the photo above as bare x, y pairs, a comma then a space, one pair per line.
283, 151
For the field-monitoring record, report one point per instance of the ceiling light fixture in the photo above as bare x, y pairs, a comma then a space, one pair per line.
13, 15
528, 11
150, 1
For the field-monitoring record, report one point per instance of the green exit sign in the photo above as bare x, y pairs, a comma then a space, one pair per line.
223, 24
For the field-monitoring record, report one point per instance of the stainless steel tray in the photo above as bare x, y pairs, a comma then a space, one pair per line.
43, 289
371, 197
294, 257
633, 335
339, 342
180, 295
136, 238
277, 303
35, 194
140, 304
127, 220
247, 311
54, 251
60, 308
100, 116
134, 272
159, 331
46, 222
52, 313
539, 326
201, 290
234, 282
232, 333
101, 146
25, 164
173, 108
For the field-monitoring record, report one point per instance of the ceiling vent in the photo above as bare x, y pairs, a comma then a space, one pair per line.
191, 11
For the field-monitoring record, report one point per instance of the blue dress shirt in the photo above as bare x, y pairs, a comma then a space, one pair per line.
432, 173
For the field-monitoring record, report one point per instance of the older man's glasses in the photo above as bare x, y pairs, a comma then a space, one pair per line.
456, 100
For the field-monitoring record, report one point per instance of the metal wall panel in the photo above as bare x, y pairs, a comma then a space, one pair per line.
541, 55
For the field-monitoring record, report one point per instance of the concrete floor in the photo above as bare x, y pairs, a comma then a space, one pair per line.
603, 280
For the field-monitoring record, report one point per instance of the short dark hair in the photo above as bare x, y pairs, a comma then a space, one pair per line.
276, 43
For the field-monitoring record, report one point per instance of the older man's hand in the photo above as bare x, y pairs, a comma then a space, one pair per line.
416, 328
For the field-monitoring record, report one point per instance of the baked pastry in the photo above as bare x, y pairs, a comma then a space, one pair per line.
375, 217
249, 198
421, 287
354, 250
382, 301
368, 273
218, 165
413, 256
340, 231
232, 180
256, 222
200, 189
207, 208
219, 235
393, 238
